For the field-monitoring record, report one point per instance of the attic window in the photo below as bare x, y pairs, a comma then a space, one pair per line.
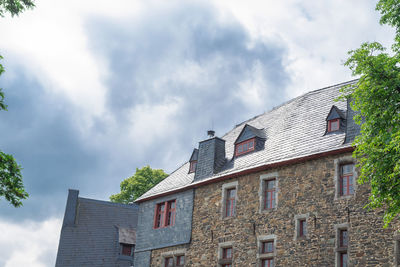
245, 147
333, 125
192, 167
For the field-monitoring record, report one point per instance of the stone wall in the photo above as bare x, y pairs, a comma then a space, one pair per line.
306, 188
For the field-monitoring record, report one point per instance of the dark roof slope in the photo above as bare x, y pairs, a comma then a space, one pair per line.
92, 239
294, 129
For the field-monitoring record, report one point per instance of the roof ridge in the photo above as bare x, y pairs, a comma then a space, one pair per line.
105, 202
291, 100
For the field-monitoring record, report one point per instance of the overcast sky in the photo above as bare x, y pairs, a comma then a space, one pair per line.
96, 89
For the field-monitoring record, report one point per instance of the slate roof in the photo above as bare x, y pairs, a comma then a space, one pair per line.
93, 237
293, 130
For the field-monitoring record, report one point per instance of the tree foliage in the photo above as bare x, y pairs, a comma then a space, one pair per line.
11, 186
15, 7
138, 184
376, 97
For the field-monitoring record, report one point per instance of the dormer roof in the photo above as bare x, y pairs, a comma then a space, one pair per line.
335, 113
195, 155
295, 130
249, 132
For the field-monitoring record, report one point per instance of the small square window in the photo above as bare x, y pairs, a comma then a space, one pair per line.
267, 246
127, 249
180, 260
333, 125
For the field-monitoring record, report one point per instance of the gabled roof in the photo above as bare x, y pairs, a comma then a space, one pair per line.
335, 113
195, 155
295, 130
248, 132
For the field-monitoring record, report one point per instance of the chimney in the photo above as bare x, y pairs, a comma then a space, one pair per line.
211, 157
71, 208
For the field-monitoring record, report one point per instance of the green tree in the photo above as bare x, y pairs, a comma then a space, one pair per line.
11, 186
138, 184
376, 97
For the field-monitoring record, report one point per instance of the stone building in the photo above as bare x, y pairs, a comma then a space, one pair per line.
277, 190
97, 233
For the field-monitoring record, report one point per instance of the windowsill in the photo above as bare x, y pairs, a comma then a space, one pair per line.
266, 211
341, 249
125, 258
301, 238
266, 255
228, 217
345, 197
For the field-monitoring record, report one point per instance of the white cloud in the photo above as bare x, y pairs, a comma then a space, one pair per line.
29, 243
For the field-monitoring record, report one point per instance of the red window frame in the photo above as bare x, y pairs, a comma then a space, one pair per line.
267, 262
333, 125
302, 227
164, 214
343, 238
127, 249
269, 194
245, 146
169, 262
192, 167
227, 253
267, 246
346, 181
230, 202
180, 260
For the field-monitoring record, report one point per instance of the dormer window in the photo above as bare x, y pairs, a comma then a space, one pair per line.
192, 167
335, 121
245, 147
333, 125
249, 139
193, 160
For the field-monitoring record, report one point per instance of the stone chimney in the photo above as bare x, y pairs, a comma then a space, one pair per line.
71, 208
211, 158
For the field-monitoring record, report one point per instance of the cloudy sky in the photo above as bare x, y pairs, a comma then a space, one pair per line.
98, 88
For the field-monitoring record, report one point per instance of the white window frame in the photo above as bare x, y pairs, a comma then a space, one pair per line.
263, 178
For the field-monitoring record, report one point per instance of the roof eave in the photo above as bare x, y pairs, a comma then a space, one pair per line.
250, 170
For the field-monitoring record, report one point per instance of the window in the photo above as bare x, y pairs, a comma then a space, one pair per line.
193, 165
180, 260
346, 180
302, 227
267, 246
397, 251
244, 147
342, 247
169, 262
267, 263
333, 125
226, 260
269, 194
230, 202
165, 214
127, 249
